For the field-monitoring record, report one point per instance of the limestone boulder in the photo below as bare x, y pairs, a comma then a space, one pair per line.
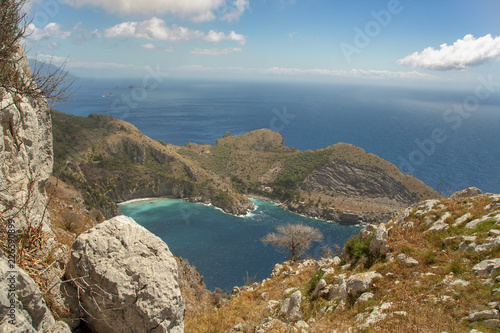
468, 192
126, 279
487, 268
359, 283
409, 261
378, 244
291, 307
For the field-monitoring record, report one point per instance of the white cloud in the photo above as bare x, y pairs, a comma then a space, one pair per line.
463, 54
227, 50
148, 46
157, 29
233, 12
54, 45
196, 10
293, 36
355, 73
51, 30
153, 28
216, 37
73, 63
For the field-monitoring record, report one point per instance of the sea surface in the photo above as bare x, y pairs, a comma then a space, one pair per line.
227, 249
438, 136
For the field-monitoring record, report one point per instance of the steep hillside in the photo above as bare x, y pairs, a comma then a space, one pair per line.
338, 183
110, 158
324, 183
434, 268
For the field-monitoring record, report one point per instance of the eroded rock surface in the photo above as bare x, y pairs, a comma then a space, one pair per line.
126, 278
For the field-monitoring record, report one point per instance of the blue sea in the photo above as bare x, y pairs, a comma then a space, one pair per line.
448, 139
226, 248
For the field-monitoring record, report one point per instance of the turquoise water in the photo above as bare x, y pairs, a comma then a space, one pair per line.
225, 247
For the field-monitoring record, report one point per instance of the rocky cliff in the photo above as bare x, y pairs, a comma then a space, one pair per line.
136, 290
26, 237
25, 152
354, 180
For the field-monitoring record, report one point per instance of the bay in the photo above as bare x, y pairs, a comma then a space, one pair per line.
226, 248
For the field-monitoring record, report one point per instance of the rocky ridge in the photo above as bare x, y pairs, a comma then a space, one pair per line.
110, 161
407, 274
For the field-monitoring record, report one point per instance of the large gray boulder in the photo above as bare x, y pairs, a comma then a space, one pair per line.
22, 307
126, 279
468, 192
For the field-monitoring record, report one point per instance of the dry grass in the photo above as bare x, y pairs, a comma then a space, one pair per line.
248, 307
425, 301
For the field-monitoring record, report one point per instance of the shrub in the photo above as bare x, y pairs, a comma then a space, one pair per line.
356, 248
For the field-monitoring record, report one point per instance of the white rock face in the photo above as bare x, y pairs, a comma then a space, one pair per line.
468, 192
378, 244
127, 279
291, 307
487, 268
359, 283
26, 156
28, 312
407, 260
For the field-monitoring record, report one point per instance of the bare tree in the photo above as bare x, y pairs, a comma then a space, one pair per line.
293, 239
54, 86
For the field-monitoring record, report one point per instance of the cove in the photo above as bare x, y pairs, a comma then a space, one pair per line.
223, 247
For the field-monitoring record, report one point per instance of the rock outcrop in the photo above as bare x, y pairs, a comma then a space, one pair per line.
125, 279
25, 152
351, 179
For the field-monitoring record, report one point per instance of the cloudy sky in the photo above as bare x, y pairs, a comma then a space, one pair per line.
421, 41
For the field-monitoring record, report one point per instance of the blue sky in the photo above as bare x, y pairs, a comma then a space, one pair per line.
419, 42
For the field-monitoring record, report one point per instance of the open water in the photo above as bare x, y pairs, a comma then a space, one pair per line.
225, 248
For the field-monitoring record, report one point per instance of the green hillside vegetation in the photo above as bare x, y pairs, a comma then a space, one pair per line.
96, 148
103, 150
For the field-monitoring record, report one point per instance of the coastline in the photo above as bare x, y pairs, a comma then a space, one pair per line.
318, 215
140, 199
